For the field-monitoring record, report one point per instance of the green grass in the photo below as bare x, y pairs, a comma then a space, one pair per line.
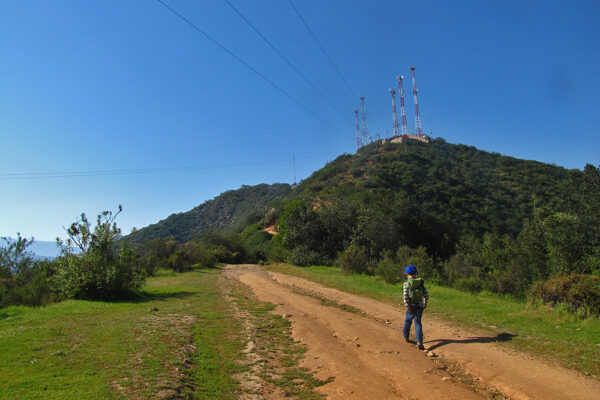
553, 334
182, 338
93, 349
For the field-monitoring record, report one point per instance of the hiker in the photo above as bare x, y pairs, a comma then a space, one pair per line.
415, 301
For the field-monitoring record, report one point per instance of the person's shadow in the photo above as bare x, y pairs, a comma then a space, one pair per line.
501, 337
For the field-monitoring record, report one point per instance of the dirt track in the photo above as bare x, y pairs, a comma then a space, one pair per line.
365, 353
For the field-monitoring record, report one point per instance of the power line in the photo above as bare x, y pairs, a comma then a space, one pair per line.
288, 61
74, 174
322, 49
326, 55
244, 63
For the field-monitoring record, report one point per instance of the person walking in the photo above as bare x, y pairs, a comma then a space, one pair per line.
415, 301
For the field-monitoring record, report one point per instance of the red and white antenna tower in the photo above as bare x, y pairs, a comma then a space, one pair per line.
418, 129
357, 130
393, 93
402, 109
365, 130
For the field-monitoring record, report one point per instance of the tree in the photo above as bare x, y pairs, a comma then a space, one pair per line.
14, 257
91, 265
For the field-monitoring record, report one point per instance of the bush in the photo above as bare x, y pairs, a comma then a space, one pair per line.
99, 270
419, 258
579, 292
305, 257
472, 285
388, 269
23, 280
353, 260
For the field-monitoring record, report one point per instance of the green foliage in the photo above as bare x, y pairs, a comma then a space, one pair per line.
417, 257
311, 237
99, 270
465, 190
579, 292
389, 269
353, 260
494, 263
14, 256
229, 210
564, 241
23, 280
30, 287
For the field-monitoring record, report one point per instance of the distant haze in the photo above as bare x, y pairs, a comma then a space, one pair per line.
41, 249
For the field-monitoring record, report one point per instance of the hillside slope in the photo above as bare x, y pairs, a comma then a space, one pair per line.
228, 210
460, 188
472, 190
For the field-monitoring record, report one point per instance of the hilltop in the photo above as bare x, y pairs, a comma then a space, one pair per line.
472, 190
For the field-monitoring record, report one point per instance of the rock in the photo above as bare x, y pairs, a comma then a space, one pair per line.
587, 374
357, 344
356, 338
387, 321
286, 315
445, 378
431, 354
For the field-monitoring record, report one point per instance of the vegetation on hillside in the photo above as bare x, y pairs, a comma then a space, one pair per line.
227, 211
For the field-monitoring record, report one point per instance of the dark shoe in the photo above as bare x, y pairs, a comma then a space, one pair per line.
420, 346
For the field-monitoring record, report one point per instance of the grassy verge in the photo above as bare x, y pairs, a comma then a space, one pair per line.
176, 340
183, 338
548, 333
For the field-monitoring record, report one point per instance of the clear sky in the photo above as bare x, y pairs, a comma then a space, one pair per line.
129, 87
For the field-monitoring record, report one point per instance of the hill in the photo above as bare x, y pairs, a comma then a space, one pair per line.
458, 188
226, 211
471, 190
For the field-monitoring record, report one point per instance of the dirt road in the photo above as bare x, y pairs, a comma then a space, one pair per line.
362, 348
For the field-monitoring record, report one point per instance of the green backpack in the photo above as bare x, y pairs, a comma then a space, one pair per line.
416, 288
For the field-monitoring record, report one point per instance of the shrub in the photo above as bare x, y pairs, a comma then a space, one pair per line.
472, 285
353, 260
579, 292
99, 270
417, 257
388, 269
304, 257
23, 280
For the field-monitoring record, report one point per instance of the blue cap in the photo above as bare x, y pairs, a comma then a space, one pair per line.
411, 270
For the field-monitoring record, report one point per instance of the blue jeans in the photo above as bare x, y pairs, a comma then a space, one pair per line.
418, 313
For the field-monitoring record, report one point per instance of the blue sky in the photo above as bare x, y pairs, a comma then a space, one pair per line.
127, 86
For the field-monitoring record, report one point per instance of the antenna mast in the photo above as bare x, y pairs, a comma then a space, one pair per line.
402, 109
358, 143
418, 129
365, 130
393, 93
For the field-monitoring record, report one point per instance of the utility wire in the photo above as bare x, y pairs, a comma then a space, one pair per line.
288, 62
74, 174
327, 55
244, 63
322, 49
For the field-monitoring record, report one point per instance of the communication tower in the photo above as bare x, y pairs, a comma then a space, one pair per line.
358, 141
393, 93
365, 130
402, 109
418, 128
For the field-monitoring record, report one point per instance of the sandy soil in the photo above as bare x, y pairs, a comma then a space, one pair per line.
366, 355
